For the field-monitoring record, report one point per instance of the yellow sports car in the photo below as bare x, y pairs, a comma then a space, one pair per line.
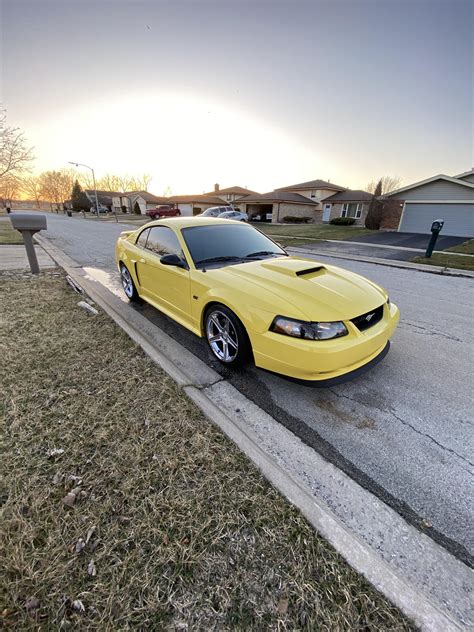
228, 282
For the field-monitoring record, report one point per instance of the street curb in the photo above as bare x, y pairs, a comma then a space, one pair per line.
391, 263
415, 604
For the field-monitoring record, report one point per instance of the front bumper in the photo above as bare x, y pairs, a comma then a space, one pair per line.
325, 360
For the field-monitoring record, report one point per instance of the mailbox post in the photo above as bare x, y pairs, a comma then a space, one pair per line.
28, 224
436, 227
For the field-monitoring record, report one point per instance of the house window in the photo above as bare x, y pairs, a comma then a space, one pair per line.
352, 209
229, 197
313, 194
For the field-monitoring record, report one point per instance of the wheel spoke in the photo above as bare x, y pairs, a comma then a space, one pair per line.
217, 324
225, 350
231, 342
217, 338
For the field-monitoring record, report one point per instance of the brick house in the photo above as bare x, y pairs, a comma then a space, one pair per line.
348, 203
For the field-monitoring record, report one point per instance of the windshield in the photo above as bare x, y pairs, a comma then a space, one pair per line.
232, 243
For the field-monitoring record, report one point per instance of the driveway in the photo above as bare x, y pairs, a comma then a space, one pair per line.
410, 240
402, 430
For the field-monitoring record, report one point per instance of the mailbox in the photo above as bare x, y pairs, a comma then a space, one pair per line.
436, 227
28, 224
32, 222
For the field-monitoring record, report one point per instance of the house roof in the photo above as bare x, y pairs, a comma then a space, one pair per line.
313, 184
349, 195
148, 197
279, 196
463, 175
236, 190
440, 176
204, 199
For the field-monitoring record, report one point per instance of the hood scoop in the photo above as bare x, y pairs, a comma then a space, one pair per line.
293, 267
310, 270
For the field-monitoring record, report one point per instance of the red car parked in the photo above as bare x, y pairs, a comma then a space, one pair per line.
163, 211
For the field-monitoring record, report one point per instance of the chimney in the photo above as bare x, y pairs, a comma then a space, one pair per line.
216, 187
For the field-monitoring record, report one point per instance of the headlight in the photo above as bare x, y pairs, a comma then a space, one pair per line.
309, 331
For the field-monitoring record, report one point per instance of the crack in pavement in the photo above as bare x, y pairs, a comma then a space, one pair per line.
428, 332
390, 411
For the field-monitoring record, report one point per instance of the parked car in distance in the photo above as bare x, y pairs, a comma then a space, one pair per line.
215, 211
165, 210
102, 209
238, 216
233, 286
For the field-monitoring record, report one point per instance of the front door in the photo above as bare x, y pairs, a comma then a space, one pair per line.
168, 287
326, 213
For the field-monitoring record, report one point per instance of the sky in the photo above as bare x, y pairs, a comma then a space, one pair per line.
258, 93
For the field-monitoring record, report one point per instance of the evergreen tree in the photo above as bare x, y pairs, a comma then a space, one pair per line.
136, 208
80, 201
374, 214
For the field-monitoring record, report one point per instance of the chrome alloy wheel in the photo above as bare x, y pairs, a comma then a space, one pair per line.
127, 282
222, 336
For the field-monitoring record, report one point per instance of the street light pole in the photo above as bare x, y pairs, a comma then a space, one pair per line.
79, 164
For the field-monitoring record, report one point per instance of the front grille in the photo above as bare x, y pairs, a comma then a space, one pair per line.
369, 319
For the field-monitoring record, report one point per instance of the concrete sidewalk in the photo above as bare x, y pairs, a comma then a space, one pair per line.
14, 258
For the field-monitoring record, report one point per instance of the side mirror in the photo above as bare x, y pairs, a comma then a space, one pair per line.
173, 260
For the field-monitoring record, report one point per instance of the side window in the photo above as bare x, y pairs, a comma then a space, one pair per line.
163, 241
141, 241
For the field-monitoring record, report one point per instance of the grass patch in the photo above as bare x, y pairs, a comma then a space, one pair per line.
315, 231
172, 527
447, 260
466, 248
9, 235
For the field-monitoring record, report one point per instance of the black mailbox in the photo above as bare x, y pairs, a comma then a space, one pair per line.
436, 227
28, 224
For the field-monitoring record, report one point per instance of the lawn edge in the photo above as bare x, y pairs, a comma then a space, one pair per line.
414, 603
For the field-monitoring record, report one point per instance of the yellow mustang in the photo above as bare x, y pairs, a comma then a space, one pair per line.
230, 283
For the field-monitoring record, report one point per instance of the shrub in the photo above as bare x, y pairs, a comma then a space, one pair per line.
343, 221
294, 219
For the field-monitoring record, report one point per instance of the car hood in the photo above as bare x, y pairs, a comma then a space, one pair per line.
319, 291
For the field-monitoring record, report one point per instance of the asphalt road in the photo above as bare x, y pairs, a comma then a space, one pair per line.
404, 430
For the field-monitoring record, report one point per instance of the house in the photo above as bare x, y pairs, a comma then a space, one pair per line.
195, 204
276, 206
230, 194
105, 198
348, 203
297, 200
125, 202
413, 208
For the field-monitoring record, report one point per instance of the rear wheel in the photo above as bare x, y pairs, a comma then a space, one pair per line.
226, 336
128, 284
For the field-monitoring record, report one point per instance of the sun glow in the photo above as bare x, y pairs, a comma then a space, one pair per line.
184, 142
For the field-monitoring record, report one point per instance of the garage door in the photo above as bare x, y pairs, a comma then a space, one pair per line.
458, 218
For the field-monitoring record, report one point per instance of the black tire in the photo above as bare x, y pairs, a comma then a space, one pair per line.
128, 285
226, 336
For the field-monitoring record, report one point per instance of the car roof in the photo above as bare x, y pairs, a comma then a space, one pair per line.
188, 222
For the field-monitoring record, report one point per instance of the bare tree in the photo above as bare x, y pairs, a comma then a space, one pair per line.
15, 155
389, 183
123, 183
9, 189
31, 187
56, 186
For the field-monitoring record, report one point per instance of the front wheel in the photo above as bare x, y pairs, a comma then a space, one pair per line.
226, 336
128, 284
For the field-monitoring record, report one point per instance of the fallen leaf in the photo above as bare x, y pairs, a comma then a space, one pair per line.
52, 454
80, 546
69, 499
282, 606
57, 478
90, 533
78, 606
427, 523
32, 603
91, 569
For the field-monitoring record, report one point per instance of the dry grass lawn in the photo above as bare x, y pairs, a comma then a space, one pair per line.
124, 508
9, 235
447, 260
